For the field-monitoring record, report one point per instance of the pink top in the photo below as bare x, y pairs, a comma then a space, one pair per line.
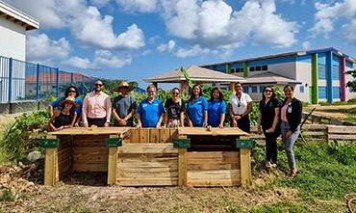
96, 106
284, 113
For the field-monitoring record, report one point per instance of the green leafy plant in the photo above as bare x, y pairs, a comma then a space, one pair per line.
7, 195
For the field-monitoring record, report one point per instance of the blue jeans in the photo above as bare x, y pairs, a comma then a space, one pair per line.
289, 143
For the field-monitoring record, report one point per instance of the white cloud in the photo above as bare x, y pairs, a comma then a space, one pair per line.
90, 28
85, 22
100, 3
214, 24
144, 6
40, 47
168, 47
306, 45
78, 62
105, 58
194, 51
328, 14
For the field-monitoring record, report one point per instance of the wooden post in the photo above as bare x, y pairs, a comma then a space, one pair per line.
245, 166
112, 143
51, 173
232, 87
182, 144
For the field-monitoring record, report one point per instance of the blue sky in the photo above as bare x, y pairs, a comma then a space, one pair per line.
134, 39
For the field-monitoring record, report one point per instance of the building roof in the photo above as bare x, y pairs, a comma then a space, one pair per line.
196, 74
18, 17
287, 54
270, 78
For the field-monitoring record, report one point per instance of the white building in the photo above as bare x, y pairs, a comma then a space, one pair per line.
13, 26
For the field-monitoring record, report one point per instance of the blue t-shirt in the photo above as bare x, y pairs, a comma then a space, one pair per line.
215, 109
78, 110
195, 110
150, 112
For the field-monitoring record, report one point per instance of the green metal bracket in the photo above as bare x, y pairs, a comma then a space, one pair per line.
113, 142
182, 143
49, 143
245, 143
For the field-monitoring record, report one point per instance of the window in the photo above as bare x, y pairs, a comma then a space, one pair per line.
258, 68
322, 92
262, 88
245, 89
301, 89
252, 69
322, 71
238, 70
254, 89
336, 72
336, 92
264, 67
232, 70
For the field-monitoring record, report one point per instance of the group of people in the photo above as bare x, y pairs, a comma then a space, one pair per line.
274, 118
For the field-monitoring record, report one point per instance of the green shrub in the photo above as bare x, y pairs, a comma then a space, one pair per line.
7, 195
15, 142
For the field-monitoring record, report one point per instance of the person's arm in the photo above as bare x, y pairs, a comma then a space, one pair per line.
182, 110
139, 123
222, 114
232, 116
108, 107
161, 114
50, 110
73, 119
205, 108
259, 120
50, 126
248, 109
190, 123
132, 112
166, 119
85, 111
116, 116
297, 114
275, 119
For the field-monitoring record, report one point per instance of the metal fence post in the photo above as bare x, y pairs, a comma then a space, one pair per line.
37, 82
57, 82
10, 80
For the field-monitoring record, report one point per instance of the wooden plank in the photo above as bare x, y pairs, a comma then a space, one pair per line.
212, 183
144, 135
342, 129
214, 178
51, 174
134, 136
154, 136
245, 166
91, 131
90, 167
90, 150
341, 137
220, 157
182, 164
208, 166
147, 158
142, 148
112, 163
165, 136
229, 131
147, 182
145, 173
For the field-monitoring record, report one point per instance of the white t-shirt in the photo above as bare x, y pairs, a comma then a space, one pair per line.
239, 105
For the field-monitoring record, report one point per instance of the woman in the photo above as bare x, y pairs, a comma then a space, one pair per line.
174, 115
291, 116
197, 108
240, 105
150, 111
65, 117
124, 106
268, 118
216, 109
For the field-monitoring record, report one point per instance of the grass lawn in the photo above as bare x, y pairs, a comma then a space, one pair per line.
327, 173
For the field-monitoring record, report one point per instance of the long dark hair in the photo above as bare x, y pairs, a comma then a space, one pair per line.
273, 93
200, 93
221, 95
70, 87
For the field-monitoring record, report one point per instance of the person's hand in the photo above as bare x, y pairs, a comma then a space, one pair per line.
158, 126
138, 125
221, 126
289, 134
122, 122
237, 117
106, 124
270, 130
234, 123
85, 124
190, 123
76, 124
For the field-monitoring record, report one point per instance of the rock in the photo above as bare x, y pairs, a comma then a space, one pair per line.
34, 156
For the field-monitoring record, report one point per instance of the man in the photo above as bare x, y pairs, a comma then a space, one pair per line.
96, 107
150, 111
124, 106
71, 91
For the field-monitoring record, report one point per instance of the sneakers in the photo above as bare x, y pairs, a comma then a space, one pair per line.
270, 165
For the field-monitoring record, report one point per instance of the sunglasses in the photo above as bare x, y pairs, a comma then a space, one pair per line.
98, 85
72, 91
268, 90
175, 93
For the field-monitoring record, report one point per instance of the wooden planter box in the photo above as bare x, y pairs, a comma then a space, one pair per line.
151, 157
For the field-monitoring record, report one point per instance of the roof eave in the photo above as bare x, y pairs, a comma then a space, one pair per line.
18, 17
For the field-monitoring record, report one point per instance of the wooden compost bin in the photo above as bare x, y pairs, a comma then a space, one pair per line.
214, 158
79, 149
147, 157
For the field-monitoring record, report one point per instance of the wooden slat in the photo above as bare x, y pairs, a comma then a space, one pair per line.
341, 137
212, 183
213, 157
214, 178
112, 166
214, 131
91, 131
342, 129
208, 166
147, 182
245, 165
144, 135
90, 167
154, 136
142, 148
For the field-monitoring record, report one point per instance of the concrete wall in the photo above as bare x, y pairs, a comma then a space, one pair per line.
13, 40
23, 106
304, 75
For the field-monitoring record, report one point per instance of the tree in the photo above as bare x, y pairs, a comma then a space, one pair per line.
352, 84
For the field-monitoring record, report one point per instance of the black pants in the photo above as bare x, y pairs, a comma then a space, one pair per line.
244, 124
99, 122
271, 147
